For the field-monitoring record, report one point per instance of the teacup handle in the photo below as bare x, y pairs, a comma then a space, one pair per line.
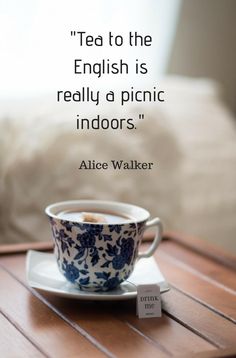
154, 222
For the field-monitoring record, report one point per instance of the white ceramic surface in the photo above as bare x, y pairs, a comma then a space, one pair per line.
43, 273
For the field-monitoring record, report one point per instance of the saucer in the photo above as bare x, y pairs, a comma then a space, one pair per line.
42, 273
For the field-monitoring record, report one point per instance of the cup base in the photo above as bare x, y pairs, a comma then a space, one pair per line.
108, 285
95, 289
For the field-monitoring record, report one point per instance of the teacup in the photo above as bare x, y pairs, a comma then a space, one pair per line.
98, 256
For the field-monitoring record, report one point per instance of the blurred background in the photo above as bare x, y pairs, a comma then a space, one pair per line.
191, 136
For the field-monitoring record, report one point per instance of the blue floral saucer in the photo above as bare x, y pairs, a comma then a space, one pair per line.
42, 273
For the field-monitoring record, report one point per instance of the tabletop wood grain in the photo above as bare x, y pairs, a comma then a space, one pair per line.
199, 312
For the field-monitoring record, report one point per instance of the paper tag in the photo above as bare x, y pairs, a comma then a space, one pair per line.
148, 301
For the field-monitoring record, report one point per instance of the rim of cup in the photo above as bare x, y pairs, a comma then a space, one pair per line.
134, 212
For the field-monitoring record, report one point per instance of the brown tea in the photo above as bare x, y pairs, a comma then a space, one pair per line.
93, 216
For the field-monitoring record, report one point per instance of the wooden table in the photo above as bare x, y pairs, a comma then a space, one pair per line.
199, 312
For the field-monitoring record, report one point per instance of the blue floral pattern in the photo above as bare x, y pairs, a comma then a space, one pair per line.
122, 253
96, 257
116, 228
70, 271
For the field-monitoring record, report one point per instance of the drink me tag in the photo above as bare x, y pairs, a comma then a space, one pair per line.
148, 301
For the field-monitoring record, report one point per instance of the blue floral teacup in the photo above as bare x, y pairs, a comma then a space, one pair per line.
98, 256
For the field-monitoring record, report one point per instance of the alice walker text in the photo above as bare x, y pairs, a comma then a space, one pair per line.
115, 165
